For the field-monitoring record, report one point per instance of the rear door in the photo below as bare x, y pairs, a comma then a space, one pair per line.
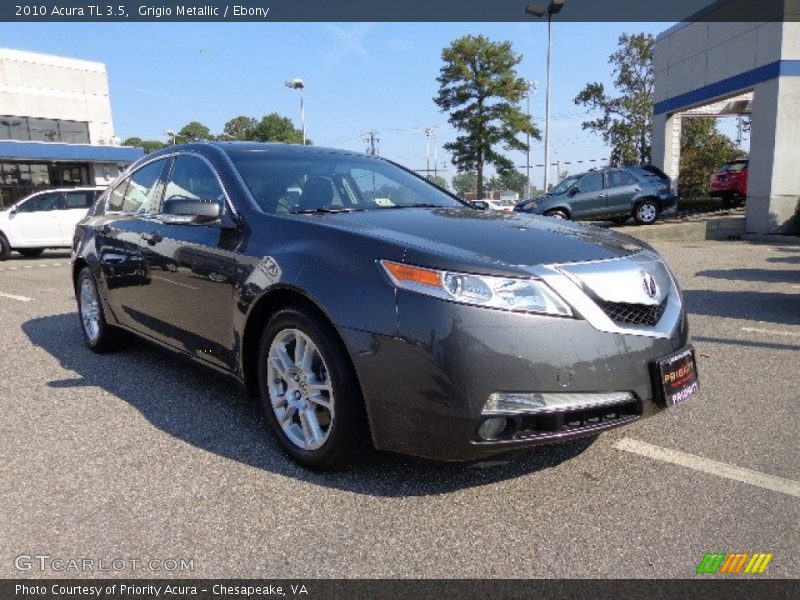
621, 189
35, 222
118, 235
590, 201
74, 206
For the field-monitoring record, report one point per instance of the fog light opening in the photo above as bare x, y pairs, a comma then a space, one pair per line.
492, 429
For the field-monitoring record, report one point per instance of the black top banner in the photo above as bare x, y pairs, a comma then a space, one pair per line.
392, 11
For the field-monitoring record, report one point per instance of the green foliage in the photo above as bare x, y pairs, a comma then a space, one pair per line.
148, 145
193, 132
275, 128
480, 88
239, 129
508, 181
438, 180
465, 182
626, 120
703, 151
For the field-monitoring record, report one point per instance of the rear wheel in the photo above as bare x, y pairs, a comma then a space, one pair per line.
98, 334
557, 213
309, 391
646, 212
30, 252
5, 248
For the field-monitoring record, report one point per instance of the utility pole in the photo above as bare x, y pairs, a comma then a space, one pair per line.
530, 89
371, 137
430, 134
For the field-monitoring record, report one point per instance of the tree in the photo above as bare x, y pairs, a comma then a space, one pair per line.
627, 118
241, 128
194, 132
703, 150
465, 182
438, 180
509, 181
147, 145
275, 128
479, 86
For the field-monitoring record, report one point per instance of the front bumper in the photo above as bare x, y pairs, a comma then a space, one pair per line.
426, 389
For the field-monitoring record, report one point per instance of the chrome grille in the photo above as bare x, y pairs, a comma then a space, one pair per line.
634, 314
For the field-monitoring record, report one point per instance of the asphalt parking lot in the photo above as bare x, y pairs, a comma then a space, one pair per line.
142, 455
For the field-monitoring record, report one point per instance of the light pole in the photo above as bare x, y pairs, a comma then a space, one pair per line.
530, 89
430, 134
298, 84
171, 134
553, 8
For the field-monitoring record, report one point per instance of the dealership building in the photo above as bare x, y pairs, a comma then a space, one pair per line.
712, 67
56, 127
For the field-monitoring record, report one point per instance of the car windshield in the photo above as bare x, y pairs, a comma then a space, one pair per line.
734, 167
317, 182
562, 187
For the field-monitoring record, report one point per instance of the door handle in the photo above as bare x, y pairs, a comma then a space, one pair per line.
152, 238
601, 196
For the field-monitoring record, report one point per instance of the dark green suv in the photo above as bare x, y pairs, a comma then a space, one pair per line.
615, 194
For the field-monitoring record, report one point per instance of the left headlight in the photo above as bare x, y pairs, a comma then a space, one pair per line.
518, 295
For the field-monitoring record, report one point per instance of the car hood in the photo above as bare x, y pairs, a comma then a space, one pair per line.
488, 237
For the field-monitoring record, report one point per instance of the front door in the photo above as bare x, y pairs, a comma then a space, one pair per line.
188, 302
73, 208
35, 222
590, 199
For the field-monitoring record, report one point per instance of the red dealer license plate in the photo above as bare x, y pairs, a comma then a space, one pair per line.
676, 377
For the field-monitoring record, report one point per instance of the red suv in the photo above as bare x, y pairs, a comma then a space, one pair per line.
730, 182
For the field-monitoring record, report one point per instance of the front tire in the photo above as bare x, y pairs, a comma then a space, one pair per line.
557, 213
309, 391
5, 248
30, 252
99, 336
646, 212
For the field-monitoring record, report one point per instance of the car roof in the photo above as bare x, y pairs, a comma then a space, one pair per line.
79, 188
276, 149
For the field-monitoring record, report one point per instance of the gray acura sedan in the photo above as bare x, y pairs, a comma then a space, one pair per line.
363, 304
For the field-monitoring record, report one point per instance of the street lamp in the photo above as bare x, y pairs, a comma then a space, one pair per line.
530, 88
298, 84
171, 134
553, 8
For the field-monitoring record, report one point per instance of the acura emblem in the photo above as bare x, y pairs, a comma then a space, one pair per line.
649, 284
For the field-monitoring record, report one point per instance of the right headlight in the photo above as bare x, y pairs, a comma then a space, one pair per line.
505, 293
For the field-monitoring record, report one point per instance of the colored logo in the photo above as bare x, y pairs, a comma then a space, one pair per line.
733, 564
649, 284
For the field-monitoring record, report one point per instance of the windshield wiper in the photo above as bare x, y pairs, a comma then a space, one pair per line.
420, 205
318, 211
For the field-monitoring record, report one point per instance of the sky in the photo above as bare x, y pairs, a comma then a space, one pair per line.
358, 76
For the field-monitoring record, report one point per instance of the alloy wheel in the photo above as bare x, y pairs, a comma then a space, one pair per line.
300, 389
647, 212
90, 309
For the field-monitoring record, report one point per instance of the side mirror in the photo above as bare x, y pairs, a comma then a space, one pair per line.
479, 204
573, 190
14, 210
191, 210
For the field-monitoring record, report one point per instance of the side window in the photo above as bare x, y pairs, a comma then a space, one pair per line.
620, 179
78, 200
143, 193
592, 182
42, 203
192, 178
116, 196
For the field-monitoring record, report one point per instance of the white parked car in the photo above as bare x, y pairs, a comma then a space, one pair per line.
504, 205
45, 219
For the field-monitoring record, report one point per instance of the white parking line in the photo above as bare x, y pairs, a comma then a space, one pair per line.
41, 266
770, 331
13, 297
713, 467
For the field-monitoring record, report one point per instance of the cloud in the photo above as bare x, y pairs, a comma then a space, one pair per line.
346, 42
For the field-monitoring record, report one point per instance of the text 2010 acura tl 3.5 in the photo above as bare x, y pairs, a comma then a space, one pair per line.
359, 301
